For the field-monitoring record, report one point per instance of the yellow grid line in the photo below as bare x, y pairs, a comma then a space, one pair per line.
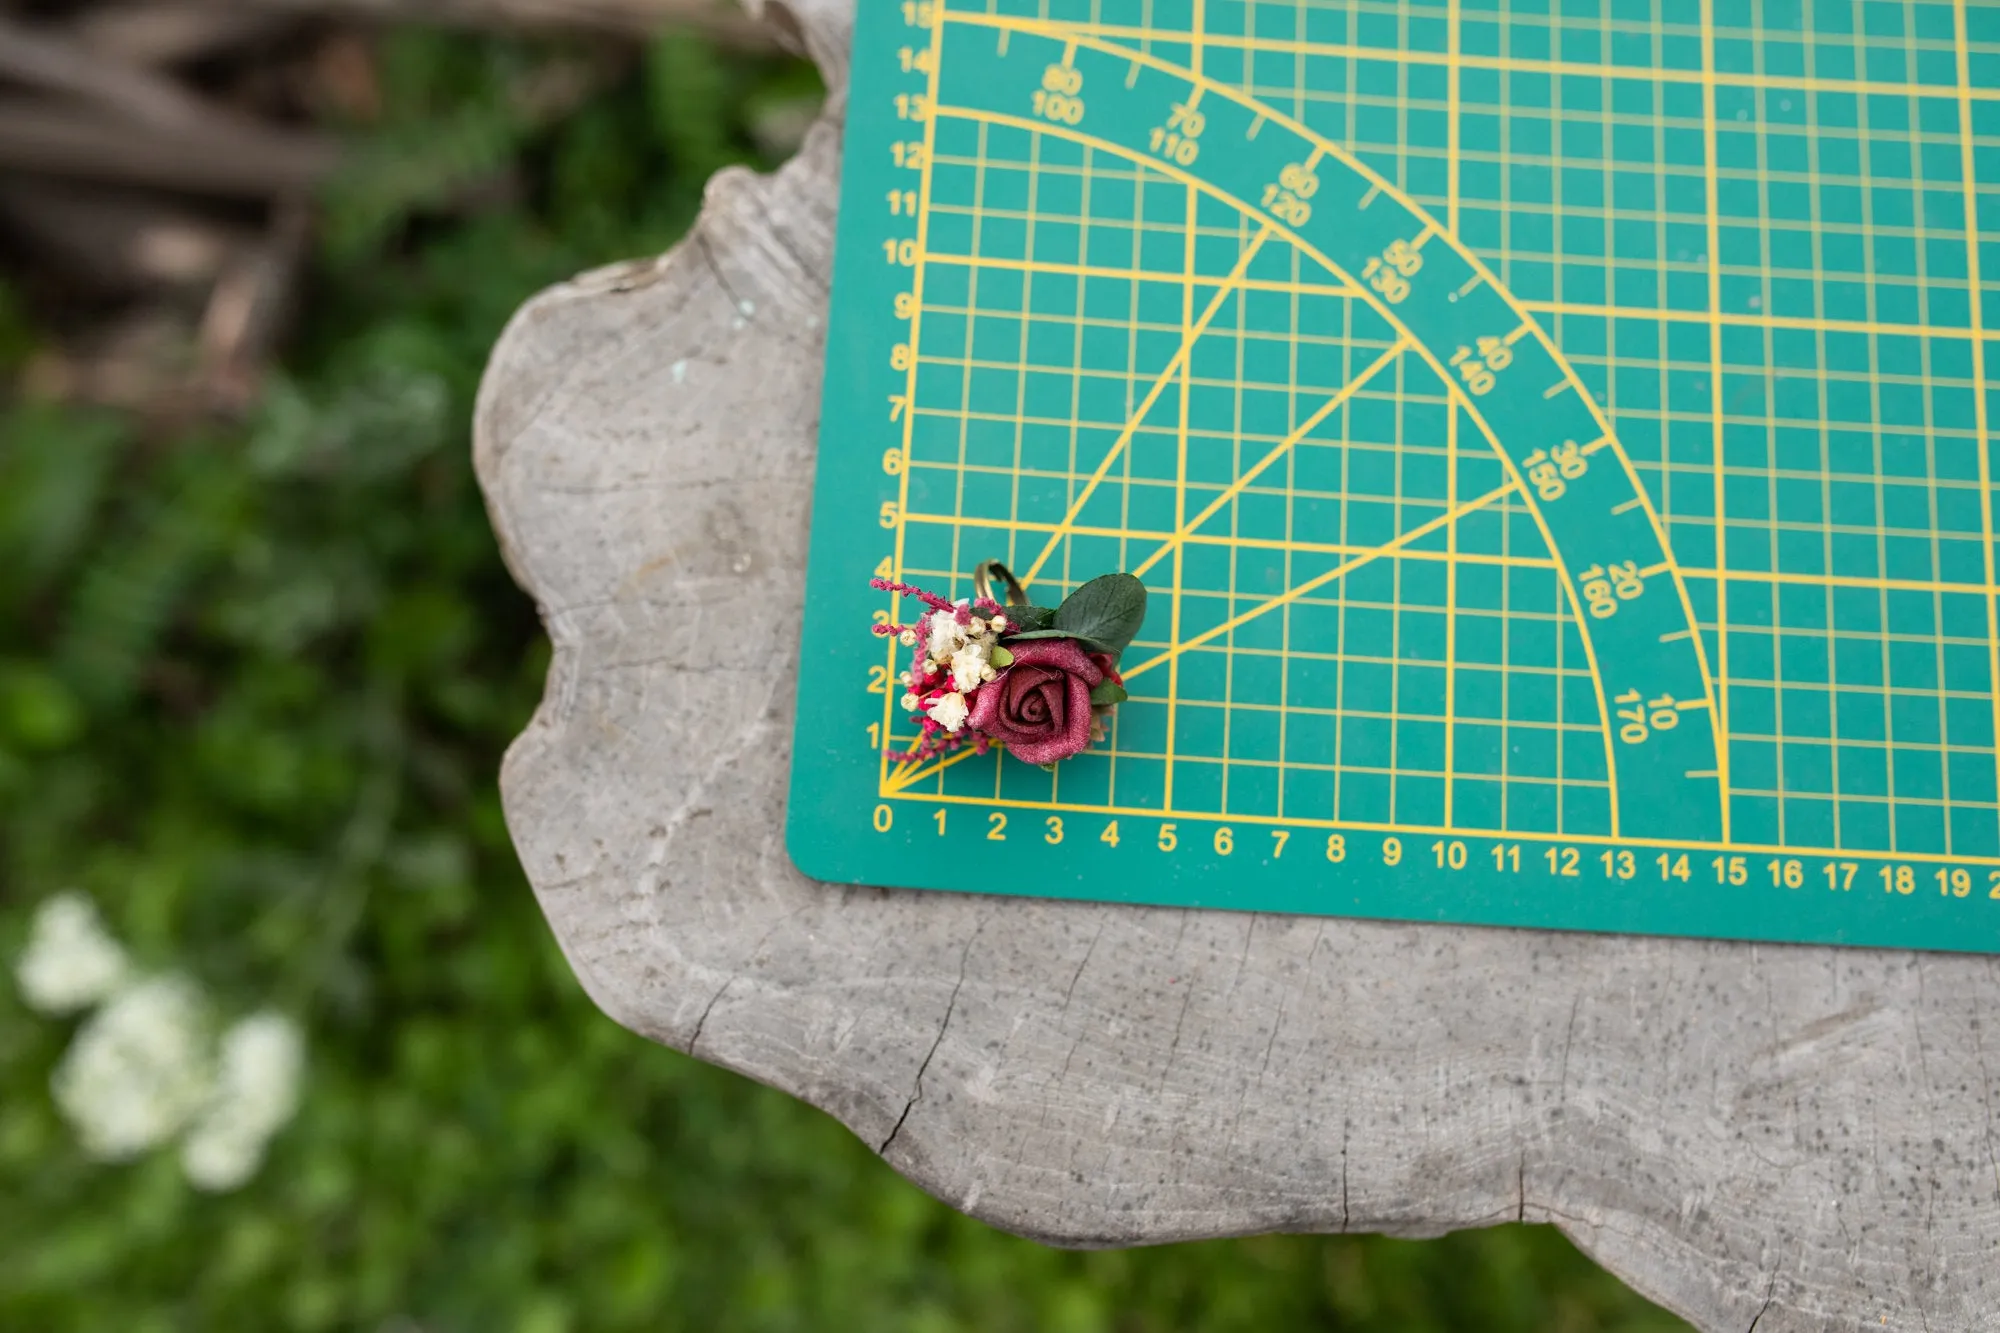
1320, 145
1714, 317
1183, 530
1343, 291
884, 774
1656, 414
1188, 337
1967, 168
1165, 377
1736, 319
1503, 837
1236, 541
1842, 581
1346, 567
1718, 687
1451, 610
1553, 68
1454, 67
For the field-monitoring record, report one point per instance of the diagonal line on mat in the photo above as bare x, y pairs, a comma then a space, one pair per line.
1344, 568
1166, 376
1278, 451
903, 775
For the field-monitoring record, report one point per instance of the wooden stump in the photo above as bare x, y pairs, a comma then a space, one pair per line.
1756, 1136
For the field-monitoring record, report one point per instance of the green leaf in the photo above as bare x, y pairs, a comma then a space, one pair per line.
1000, 657
1107, 693
1025, 620
1089, 645
1108, 611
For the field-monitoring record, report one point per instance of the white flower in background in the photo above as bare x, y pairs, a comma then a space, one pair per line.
950, 711
138, 1070
145, 1066
71, 961
256, 1092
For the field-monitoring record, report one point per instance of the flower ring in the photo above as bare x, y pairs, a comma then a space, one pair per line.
1037, 681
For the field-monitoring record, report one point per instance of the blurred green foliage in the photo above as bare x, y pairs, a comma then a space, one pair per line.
254, 686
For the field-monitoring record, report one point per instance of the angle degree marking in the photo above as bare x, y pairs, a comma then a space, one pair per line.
1606, 438
1573, 595
1077, 35
1388, 313
1459, 398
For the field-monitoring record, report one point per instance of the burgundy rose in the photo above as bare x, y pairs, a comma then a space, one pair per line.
1040, 706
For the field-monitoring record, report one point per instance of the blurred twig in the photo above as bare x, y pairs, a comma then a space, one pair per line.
54, 64
169, 34
37, 135
118, 239
163, 163
136, 125
248, 307
721, 20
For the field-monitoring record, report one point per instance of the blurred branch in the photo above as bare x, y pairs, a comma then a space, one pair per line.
248, 307
718, 19
54, 64
173, 33
211, 159
118, 238
111, 120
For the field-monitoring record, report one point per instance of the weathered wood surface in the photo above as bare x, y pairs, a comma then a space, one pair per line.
1784, 1138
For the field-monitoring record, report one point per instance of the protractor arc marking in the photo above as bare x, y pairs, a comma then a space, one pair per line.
1635, 617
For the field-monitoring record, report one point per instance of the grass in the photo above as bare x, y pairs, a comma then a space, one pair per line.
254, 686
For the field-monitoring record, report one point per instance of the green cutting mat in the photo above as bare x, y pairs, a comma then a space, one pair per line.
1556, 444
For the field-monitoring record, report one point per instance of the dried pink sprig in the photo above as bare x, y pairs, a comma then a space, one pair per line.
930, 599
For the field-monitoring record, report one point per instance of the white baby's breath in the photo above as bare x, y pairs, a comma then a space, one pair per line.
945, 635
969, 667
71, 961
138, 1070
949, 711
256, 1091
